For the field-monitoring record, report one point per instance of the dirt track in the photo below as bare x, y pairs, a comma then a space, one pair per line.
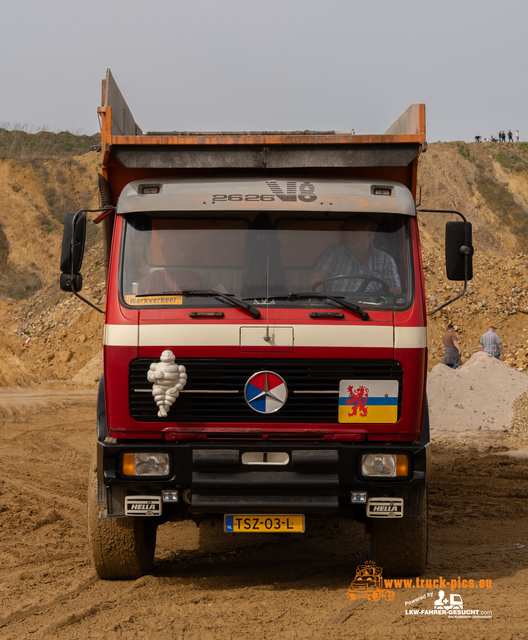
207, 584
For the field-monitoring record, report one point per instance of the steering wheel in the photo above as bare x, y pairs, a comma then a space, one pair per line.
385, 286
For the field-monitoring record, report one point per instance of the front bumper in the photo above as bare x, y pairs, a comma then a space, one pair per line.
317, 479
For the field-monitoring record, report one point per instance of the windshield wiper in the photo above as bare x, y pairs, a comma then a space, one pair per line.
210, 293
337, 299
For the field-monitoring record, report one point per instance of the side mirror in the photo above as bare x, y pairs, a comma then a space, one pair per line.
73, 240
66, 282
459, 251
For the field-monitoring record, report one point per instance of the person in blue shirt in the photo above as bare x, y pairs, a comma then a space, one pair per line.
491, 343
356, 255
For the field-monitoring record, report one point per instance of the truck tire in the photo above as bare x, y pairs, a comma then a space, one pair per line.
122, 548
399, 546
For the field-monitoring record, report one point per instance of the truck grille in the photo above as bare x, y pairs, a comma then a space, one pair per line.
212, 375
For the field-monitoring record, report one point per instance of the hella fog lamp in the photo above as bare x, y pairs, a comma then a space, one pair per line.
170, 495
384, 465
358, 497
146, 464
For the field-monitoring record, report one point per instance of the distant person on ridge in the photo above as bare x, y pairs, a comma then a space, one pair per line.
452, 350
491, 343
517, 136
510, 136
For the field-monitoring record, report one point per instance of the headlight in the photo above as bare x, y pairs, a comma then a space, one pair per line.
146, 464
384, 465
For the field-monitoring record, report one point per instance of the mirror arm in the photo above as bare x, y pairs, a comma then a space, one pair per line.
464, 250
85, 300
442, 211
452, 299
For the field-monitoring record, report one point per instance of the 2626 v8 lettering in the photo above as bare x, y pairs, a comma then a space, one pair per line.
264, 524
305, 189
238, 197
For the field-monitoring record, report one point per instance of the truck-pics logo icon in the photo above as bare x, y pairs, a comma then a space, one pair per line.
368, 583
265, 392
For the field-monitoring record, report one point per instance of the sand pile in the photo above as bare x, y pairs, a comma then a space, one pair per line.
476, 398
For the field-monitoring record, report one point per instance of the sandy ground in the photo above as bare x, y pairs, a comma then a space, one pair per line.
207, 584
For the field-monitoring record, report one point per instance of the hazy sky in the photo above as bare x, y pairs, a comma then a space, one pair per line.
268, 64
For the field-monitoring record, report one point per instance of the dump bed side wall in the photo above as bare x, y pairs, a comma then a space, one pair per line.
135, 158
129, 154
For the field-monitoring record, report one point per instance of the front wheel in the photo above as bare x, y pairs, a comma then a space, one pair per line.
122, 548
399, 546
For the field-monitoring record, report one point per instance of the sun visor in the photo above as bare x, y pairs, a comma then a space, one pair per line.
300, 194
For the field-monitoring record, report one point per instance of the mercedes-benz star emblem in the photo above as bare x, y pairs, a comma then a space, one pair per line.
266, 392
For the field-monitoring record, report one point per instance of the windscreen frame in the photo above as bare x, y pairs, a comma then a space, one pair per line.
408, 274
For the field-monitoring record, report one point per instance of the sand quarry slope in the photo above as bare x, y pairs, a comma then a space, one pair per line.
52, 337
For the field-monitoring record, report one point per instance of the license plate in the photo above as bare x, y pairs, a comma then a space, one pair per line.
264, 524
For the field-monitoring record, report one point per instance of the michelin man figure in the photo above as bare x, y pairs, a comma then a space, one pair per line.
168, 380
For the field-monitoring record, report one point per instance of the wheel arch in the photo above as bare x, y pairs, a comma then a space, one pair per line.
102, 431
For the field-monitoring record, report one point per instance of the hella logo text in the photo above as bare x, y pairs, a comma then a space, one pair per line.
142, 507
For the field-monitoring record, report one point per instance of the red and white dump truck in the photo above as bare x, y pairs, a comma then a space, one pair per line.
265, 341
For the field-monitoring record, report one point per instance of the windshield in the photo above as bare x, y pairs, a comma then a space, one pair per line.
265, 257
